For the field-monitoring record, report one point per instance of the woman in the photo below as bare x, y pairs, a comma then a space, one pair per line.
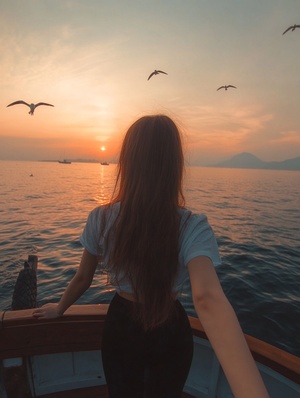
149, 243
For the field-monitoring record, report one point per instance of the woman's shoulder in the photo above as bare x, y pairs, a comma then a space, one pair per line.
189, 217
193, 224
197, 238
108, 208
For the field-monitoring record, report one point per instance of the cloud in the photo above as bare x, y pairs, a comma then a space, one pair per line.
210, 123
290, 137
92, 59
60, 57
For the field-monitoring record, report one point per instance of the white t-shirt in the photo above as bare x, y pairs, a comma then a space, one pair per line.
196, 239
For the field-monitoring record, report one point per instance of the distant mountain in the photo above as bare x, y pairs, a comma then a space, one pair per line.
246, 160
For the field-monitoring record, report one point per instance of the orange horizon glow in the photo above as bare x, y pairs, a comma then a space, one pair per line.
52, 140
95, 100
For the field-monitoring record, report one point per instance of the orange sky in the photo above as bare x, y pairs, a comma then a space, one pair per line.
91, 60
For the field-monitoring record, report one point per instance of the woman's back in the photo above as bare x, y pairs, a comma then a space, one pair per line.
196, 238
144, 240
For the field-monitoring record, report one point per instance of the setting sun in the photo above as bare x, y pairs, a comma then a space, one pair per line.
39, 62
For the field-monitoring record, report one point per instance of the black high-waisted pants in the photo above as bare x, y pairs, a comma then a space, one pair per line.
145, 364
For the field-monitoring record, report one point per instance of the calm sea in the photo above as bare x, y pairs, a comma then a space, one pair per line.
255, 215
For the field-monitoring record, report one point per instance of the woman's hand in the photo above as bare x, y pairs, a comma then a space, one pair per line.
78, 285
47, 311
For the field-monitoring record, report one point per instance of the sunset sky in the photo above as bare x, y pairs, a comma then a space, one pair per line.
91, 60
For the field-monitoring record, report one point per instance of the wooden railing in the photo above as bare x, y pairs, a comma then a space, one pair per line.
81, 327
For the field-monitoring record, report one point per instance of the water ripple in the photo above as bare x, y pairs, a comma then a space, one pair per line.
255, 215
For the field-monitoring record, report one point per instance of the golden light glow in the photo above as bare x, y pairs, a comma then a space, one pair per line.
216, 124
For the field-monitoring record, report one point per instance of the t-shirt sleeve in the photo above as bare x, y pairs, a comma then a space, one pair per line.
90, 237
199, 240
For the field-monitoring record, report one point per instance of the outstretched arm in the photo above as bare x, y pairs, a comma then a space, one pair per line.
223, 330
78, 285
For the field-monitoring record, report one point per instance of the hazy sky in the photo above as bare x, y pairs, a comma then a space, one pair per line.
91, 60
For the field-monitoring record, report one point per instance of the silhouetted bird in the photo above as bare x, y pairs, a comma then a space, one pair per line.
226, 87
31, 106
293, 27
156, 72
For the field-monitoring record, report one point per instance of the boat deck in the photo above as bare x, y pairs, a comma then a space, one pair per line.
87, 392
92, 392
58, 353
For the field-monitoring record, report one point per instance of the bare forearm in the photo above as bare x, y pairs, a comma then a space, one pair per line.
75, 289
224, 332
78, 285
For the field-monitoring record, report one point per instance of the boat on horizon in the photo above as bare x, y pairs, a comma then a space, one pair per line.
65, 161
62, 357
104, 163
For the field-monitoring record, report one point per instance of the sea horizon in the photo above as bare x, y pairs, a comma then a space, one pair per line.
255, 215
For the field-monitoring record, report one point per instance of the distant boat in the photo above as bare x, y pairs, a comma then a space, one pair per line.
104, 163
65, 161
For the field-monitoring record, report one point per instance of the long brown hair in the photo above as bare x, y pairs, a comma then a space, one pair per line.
145, 236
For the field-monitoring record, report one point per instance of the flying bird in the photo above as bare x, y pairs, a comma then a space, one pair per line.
156, 72
293, 27
226, 87
31, 106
